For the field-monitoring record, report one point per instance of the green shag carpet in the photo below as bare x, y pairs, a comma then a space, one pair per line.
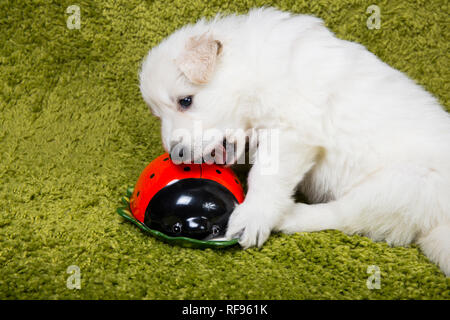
75, 132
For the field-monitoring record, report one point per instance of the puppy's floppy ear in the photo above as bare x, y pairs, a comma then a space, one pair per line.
199, 58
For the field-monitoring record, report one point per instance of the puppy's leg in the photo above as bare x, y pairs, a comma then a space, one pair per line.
310, 218
371, 207
436, 246
400, 205
270, 190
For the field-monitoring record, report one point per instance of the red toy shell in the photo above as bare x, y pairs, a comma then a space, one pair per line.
161, 171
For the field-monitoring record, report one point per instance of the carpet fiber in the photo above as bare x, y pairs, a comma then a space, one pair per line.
75, 132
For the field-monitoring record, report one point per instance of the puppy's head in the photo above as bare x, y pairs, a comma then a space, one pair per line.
184, 82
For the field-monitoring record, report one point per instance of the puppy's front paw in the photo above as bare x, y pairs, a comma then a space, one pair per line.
250, 225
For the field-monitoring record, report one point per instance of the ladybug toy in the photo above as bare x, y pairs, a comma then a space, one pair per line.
186, 204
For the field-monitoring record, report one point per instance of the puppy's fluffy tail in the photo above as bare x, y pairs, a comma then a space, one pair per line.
436, 246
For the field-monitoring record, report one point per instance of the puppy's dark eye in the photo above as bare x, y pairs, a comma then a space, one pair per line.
185, 102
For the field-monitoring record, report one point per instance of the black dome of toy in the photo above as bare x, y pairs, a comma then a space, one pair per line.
195, 208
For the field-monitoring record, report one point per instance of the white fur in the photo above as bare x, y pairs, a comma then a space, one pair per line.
368, 146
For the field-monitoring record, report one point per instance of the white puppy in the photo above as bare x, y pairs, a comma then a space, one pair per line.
368, 146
